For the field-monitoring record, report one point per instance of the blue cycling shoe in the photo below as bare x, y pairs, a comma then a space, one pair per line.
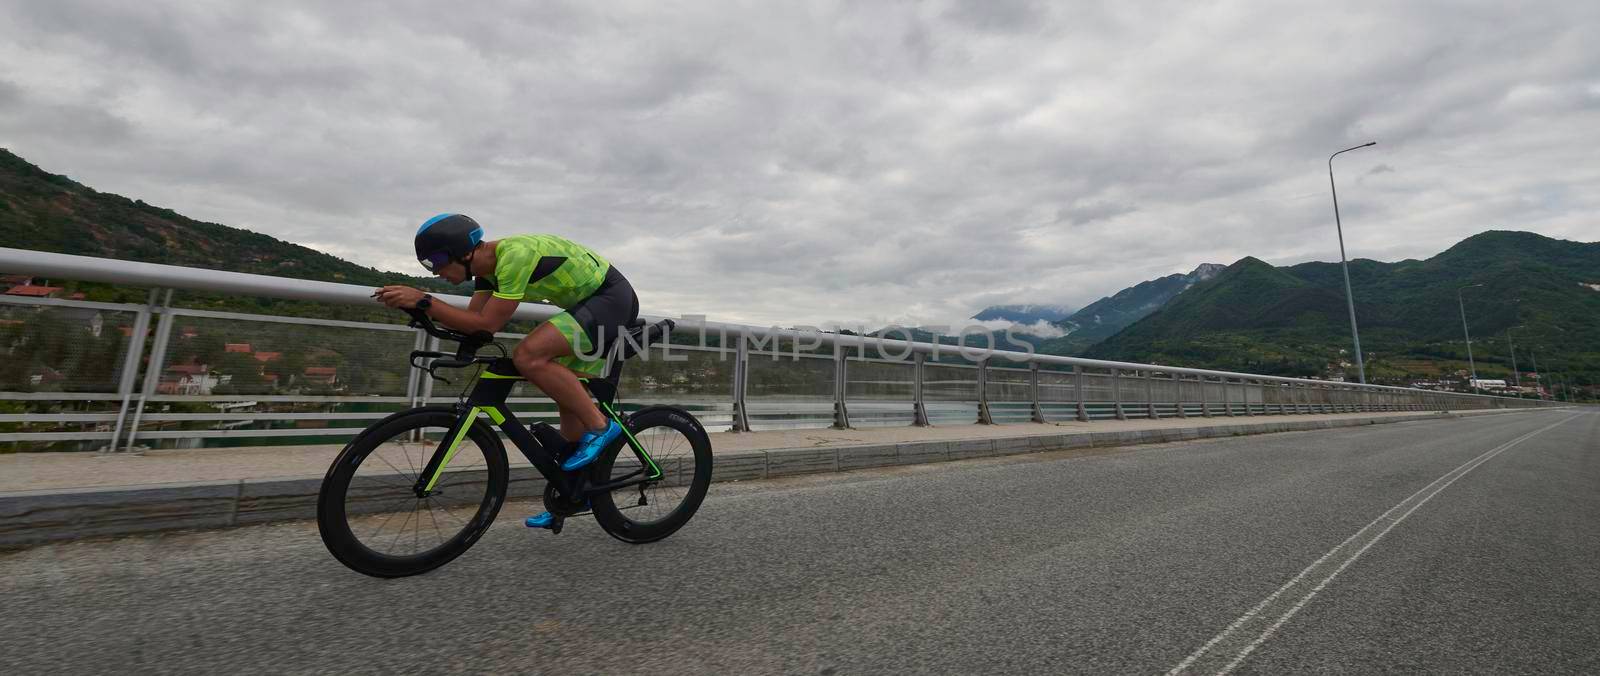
540, 520
590, 446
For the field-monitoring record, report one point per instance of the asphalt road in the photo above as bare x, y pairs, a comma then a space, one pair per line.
1437, 546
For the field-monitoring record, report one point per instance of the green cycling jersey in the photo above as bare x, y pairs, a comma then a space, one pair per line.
544, 269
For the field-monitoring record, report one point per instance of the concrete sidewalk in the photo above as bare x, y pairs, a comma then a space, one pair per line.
53, 496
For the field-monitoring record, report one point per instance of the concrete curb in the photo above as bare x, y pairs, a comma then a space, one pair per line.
33, 517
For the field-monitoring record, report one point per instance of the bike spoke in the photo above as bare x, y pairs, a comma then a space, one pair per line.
446, 510
405, 450
435, 521
386, 521
412, 476
396, 542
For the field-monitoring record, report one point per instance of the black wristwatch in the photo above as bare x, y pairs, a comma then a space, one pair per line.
425, 302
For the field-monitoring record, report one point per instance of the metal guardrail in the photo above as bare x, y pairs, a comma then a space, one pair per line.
872, 380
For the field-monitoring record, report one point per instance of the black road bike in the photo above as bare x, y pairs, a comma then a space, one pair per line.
418, 488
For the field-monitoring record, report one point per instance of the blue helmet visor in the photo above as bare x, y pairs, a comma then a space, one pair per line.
434, 261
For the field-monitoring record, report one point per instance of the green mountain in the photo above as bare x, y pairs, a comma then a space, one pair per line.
49, 212
1105, 317
1294, 321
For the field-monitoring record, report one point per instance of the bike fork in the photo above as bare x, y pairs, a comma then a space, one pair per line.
434, 469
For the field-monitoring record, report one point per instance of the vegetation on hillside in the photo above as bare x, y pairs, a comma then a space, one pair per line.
1294, 320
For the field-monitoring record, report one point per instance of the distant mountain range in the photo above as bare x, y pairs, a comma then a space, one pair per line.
1105, 317
1025, 314
1252, 316
1293, 320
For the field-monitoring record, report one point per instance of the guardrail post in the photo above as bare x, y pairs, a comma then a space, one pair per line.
1038, 410
984, 418
1283, 408
130, 366
1150, 395
1116, 393
1244, 395
841, 416
1177, 383
741, 381
414, 380
1205, 397
919, 407
152, 374
427, 383
1077, 387
413, 376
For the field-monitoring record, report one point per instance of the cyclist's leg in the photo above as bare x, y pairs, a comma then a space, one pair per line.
572, 426
535, 358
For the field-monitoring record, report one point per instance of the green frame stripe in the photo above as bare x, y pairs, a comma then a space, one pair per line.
467, 421
655, 470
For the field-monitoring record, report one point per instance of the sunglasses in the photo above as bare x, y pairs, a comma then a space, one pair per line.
432, 262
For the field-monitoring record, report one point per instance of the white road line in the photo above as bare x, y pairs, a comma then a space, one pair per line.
1409, 505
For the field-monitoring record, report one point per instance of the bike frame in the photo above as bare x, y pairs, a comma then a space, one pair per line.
488, 398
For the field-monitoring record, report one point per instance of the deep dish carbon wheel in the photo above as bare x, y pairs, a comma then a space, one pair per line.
646, 513
372, 521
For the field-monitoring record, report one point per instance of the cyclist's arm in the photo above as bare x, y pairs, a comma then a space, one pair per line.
483, 313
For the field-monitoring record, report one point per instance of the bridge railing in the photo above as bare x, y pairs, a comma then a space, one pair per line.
78, 375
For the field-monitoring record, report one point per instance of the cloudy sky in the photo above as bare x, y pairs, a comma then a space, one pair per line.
791, 162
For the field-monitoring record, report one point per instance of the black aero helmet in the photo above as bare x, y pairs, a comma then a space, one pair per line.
445, 238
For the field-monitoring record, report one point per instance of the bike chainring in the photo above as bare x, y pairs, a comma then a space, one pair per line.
560, 505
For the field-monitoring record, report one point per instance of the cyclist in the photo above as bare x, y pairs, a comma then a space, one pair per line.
598, 304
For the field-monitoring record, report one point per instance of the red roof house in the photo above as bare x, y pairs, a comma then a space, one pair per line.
34, 291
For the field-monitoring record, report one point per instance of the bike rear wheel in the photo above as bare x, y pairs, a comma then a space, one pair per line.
372, 521
648, 512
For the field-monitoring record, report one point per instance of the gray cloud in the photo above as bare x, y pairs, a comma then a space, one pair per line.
805, 163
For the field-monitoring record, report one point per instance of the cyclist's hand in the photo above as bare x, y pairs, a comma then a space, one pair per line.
398, 296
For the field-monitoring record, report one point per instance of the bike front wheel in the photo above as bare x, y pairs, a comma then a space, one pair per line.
371, 519
678, 446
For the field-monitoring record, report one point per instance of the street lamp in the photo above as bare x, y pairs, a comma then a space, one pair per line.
1361, 367
1515, 373
1462, 304
1538, 387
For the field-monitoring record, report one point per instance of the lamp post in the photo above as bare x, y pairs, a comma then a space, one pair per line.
1463, 305
1515, 374
1538, 387
1361, 367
